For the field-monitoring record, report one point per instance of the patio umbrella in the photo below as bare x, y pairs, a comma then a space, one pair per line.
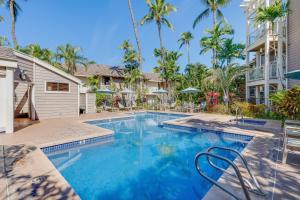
161, 91
126, 91
107, 92
189, 91
293, 75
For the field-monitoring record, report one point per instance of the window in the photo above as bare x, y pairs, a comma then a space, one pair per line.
57, 87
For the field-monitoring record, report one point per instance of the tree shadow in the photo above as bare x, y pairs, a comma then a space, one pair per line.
26, 186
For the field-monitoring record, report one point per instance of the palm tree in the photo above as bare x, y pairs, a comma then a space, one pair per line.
168, 68
212, 7
71, 57
158, 10
225, 77
35, 50
14, 9
136, 35
271, 13
214, 40
185, 39
230, 51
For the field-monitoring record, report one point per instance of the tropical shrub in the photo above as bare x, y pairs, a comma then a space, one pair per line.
221, 108
287, 103
248, 109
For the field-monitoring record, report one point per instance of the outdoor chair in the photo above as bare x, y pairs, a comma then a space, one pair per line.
291, 138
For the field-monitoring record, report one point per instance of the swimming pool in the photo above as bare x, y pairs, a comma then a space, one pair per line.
253, 122
142, 160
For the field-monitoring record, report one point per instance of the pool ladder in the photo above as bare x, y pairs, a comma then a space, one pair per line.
245, 184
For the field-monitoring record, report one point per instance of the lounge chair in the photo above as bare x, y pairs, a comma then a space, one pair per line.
172, 106
109, 108
291, 138
122, 107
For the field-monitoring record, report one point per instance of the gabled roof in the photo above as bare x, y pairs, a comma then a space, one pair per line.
109, 71
100, 70
153, 77
7, 53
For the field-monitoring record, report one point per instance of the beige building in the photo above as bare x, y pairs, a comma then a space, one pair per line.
39, 90
115, 76
266, 54
271, 53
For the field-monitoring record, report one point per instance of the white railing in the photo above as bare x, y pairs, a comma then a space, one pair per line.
256, 74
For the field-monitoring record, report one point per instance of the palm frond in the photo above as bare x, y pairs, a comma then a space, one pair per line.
200, 17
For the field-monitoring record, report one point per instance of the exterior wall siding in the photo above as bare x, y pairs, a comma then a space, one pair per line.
54, 105
82, 100
91, 103
294, 40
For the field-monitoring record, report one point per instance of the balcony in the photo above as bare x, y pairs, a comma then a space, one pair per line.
256, 35
259, 33
256, 74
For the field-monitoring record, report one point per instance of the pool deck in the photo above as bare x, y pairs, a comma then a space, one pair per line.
22, 161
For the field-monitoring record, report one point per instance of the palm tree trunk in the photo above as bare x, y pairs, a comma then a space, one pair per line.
188, 52
13, 20
214, 51
161, 42
136, 34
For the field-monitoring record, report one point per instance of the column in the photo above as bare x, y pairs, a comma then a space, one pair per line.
9, 101
280, 73
267, 65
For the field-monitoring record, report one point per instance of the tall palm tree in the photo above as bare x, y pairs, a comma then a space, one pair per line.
212, 7
185, 39
214, 40
71, 57
14, 9
136, 35
158, 10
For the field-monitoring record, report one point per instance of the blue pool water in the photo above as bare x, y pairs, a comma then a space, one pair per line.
142, 161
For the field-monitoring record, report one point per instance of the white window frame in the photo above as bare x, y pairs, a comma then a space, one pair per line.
57, 92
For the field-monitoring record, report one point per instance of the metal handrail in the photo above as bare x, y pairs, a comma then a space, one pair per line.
237, 171
258, 189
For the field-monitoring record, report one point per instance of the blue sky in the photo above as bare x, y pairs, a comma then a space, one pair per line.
100, 26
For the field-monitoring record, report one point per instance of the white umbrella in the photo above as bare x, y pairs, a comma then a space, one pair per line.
126, 91
162, 92
105, 91
190, 90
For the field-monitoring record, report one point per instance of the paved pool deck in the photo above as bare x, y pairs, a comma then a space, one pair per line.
26, 173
